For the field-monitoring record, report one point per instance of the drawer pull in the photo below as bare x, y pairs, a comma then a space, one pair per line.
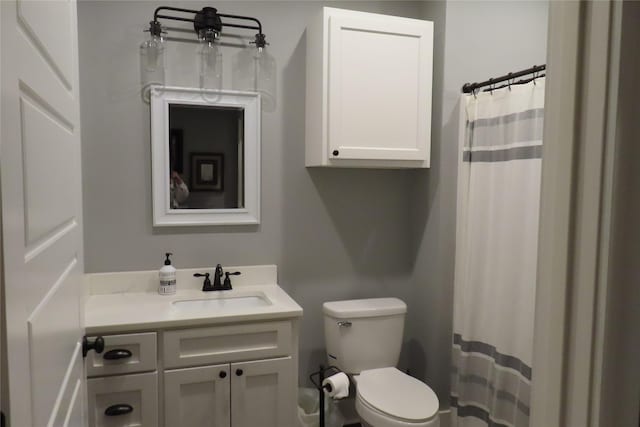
239, 372
118, 409
223, 374
116, 354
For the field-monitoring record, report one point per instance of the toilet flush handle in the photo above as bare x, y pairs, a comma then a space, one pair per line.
344, 324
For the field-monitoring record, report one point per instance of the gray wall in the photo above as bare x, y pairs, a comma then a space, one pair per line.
334, 234
482, 39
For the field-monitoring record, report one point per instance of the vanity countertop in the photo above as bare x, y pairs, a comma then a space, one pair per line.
128, 301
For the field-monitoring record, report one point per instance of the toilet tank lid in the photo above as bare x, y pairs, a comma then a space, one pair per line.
372, 307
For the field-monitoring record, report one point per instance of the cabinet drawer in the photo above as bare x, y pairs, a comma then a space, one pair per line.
204, 346
123, 401
124, 354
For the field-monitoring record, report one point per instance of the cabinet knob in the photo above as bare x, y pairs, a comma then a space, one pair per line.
223, 374
335, 152
97, 344
239, 372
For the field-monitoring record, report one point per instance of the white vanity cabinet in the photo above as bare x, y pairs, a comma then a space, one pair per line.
229, 375
368, 98
249, 377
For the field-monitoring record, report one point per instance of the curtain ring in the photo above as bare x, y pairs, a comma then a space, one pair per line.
509, 81
491, 86
475, 93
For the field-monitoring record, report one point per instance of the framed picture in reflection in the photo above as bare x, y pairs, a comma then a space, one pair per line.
207, 172
176, 150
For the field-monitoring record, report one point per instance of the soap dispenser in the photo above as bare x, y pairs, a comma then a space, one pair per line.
167, 276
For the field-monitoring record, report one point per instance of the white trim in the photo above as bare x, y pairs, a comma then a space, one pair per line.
555, 211
575, 213
446, 418
161, 97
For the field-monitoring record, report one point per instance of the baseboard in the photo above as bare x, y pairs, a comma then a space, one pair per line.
445, 418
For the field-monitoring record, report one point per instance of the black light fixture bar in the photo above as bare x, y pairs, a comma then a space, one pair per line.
472, 87
246, 18
248, 27
175, 9
173, 18
208, 18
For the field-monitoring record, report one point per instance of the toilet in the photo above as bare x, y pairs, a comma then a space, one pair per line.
363, 339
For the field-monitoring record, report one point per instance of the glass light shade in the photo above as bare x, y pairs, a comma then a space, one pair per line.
152, 63
254, 69
210, 59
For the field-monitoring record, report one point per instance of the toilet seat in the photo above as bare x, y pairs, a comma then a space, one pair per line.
387, 396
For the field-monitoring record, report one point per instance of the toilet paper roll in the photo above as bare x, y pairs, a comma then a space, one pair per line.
338, 385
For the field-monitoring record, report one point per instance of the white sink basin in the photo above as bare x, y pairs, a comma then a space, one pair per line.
222, 303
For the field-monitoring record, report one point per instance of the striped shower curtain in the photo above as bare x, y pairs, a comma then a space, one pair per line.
496, 250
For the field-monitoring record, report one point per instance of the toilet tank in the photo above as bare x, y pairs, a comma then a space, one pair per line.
364, 334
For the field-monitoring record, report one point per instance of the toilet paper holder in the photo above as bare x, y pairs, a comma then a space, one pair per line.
317, 378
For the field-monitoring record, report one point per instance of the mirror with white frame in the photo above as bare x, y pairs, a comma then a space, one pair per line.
205, 156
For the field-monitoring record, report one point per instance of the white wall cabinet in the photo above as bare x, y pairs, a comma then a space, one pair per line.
230, 375
368, 99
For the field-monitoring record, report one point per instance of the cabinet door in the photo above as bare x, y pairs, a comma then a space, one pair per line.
380, 72
123, 401
197, 397
263, 393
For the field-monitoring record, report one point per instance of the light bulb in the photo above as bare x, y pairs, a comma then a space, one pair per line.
210, 66
210, 59
152, 60
266, 78
254, 69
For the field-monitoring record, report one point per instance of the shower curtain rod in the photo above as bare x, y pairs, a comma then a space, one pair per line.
472, 87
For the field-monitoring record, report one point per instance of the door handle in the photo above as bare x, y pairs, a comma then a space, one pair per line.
116, 354
97, 344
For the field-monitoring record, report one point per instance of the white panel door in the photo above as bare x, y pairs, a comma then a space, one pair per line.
380, 72
41, 212
263, 393
197, 397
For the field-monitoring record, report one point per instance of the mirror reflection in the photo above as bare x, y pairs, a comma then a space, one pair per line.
206, 157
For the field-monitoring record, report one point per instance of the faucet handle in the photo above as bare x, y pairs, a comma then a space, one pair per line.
206, 285
227, 280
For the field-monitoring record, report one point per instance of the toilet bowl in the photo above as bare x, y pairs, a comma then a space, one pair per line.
387, 397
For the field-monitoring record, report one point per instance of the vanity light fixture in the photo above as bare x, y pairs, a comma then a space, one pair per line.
254, 68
